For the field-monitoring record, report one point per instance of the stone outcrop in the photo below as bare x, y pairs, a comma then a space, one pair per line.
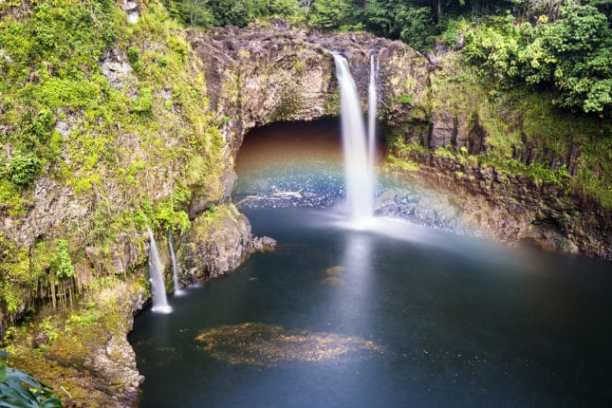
218, 243
261, 75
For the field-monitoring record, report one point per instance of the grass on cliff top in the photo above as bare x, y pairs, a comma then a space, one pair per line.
210, 219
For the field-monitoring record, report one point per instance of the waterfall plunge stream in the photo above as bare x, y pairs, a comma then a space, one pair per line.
178, 291
358, 163
158, 287
372, 110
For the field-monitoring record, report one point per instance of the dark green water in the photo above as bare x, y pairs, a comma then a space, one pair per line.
459, 323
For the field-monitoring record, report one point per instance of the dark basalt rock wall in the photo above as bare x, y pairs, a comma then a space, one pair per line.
515, 208
259, 75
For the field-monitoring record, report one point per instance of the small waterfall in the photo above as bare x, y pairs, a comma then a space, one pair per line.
175, 278
372, 111
358, 175
158, 287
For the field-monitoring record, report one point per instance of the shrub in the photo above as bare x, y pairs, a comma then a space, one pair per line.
62, 264
331, 14
572, 55
400, 20
18, 389
405, 99
23, 169
207, 13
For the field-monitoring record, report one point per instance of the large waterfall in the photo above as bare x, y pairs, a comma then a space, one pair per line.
175, 273
372, 110
359, 178
158, 287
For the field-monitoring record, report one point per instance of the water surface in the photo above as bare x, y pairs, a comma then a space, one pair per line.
454, 322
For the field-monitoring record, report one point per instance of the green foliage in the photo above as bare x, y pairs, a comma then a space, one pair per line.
207, 13
332, 14
18, 389
144, 102
62, 263
49, 61
49, 329
193, 12
133, 55
398, 19
15, 276
23, 169
572, 54
169, 214
405, 99
453, 31
403, 164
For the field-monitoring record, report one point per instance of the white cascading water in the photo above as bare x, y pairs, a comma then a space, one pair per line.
175, 273
158, 287
358, 175
372, 110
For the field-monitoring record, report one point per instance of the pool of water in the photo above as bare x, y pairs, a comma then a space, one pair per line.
338, 317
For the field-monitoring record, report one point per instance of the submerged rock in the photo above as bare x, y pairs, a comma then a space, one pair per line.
264, 244
267, 345
334, 276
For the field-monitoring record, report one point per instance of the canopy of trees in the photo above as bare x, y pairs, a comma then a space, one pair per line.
564, 45
572, 54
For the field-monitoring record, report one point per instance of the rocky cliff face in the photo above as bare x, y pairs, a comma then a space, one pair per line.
218, 243
519, 169
84, 353
513, 208
155, 144
260, 75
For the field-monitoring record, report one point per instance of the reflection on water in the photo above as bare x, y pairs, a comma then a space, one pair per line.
461, 324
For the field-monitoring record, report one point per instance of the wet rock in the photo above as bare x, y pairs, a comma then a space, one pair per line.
116, 68
216, 244
443, 130
263, 244
260, 75
514, 208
